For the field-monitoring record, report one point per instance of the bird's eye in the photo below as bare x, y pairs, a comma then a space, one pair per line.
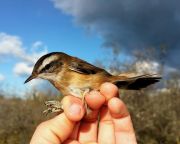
51, 67
45, 69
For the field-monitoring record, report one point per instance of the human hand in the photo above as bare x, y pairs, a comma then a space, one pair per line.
115, 125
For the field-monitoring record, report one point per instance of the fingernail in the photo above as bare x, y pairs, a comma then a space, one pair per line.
75, 109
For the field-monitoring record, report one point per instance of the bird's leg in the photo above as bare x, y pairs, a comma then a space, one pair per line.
83, 96
53, 107
57, 107
88, 110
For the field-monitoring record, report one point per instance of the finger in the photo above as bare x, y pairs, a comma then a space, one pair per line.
60, 127
73, 112
106, 128
88, 128
73, 108
76, 142
109, 90
123, 127
95, 99
88, 132
71, 141
73, 137
74, 134
53, 131
117, 108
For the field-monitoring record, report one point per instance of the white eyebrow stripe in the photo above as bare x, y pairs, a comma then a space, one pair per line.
47, 61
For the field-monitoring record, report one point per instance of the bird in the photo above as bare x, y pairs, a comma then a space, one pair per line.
74, 76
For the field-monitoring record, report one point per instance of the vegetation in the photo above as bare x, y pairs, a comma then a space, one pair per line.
155, 113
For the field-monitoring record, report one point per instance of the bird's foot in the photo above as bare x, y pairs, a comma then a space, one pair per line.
53, 107
87, 108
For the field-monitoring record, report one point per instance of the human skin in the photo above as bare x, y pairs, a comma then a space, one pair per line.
72, 127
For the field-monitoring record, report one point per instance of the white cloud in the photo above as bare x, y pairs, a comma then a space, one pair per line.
22, 68
2, 77
12, 46
69, 7
153, 68
35, 83
147, 67
37, 44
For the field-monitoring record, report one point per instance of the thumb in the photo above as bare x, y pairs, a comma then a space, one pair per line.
59, 128
73, 108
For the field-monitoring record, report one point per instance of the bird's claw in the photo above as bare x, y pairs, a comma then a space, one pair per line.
53, 107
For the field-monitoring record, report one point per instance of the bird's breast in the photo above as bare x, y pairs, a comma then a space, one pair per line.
75, 83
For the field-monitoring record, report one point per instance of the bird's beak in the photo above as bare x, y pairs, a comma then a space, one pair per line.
30, 78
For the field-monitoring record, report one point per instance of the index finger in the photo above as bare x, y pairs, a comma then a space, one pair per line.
124, 131
109, 90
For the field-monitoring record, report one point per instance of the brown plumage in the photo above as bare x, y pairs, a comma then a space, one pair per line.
74, 76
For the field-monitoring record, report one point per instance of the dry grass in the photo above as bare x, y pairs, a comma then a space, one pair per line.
156, 116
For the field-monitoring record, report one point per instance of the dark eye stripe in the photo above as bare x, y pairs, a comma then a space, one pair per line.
51, 66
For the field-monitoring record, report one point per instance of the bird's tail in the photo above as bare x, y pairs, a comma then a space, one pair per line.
133, 81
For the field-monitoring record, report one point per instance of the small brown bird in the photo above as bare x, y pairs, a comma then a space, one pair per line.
71, 75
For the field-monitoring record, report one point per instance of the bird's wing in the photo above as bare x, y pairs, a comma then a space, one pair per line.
128, 74
83, 67
135, 81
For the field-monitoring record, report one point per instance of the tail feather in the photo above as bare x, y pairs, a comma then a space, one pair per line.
136, 82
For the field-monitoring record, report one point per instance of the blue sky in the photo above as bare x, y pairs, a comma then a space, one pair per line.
39, 21
29, 29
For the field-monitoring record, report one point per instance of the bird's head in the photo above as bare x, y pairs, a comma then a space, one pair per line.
47, 67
